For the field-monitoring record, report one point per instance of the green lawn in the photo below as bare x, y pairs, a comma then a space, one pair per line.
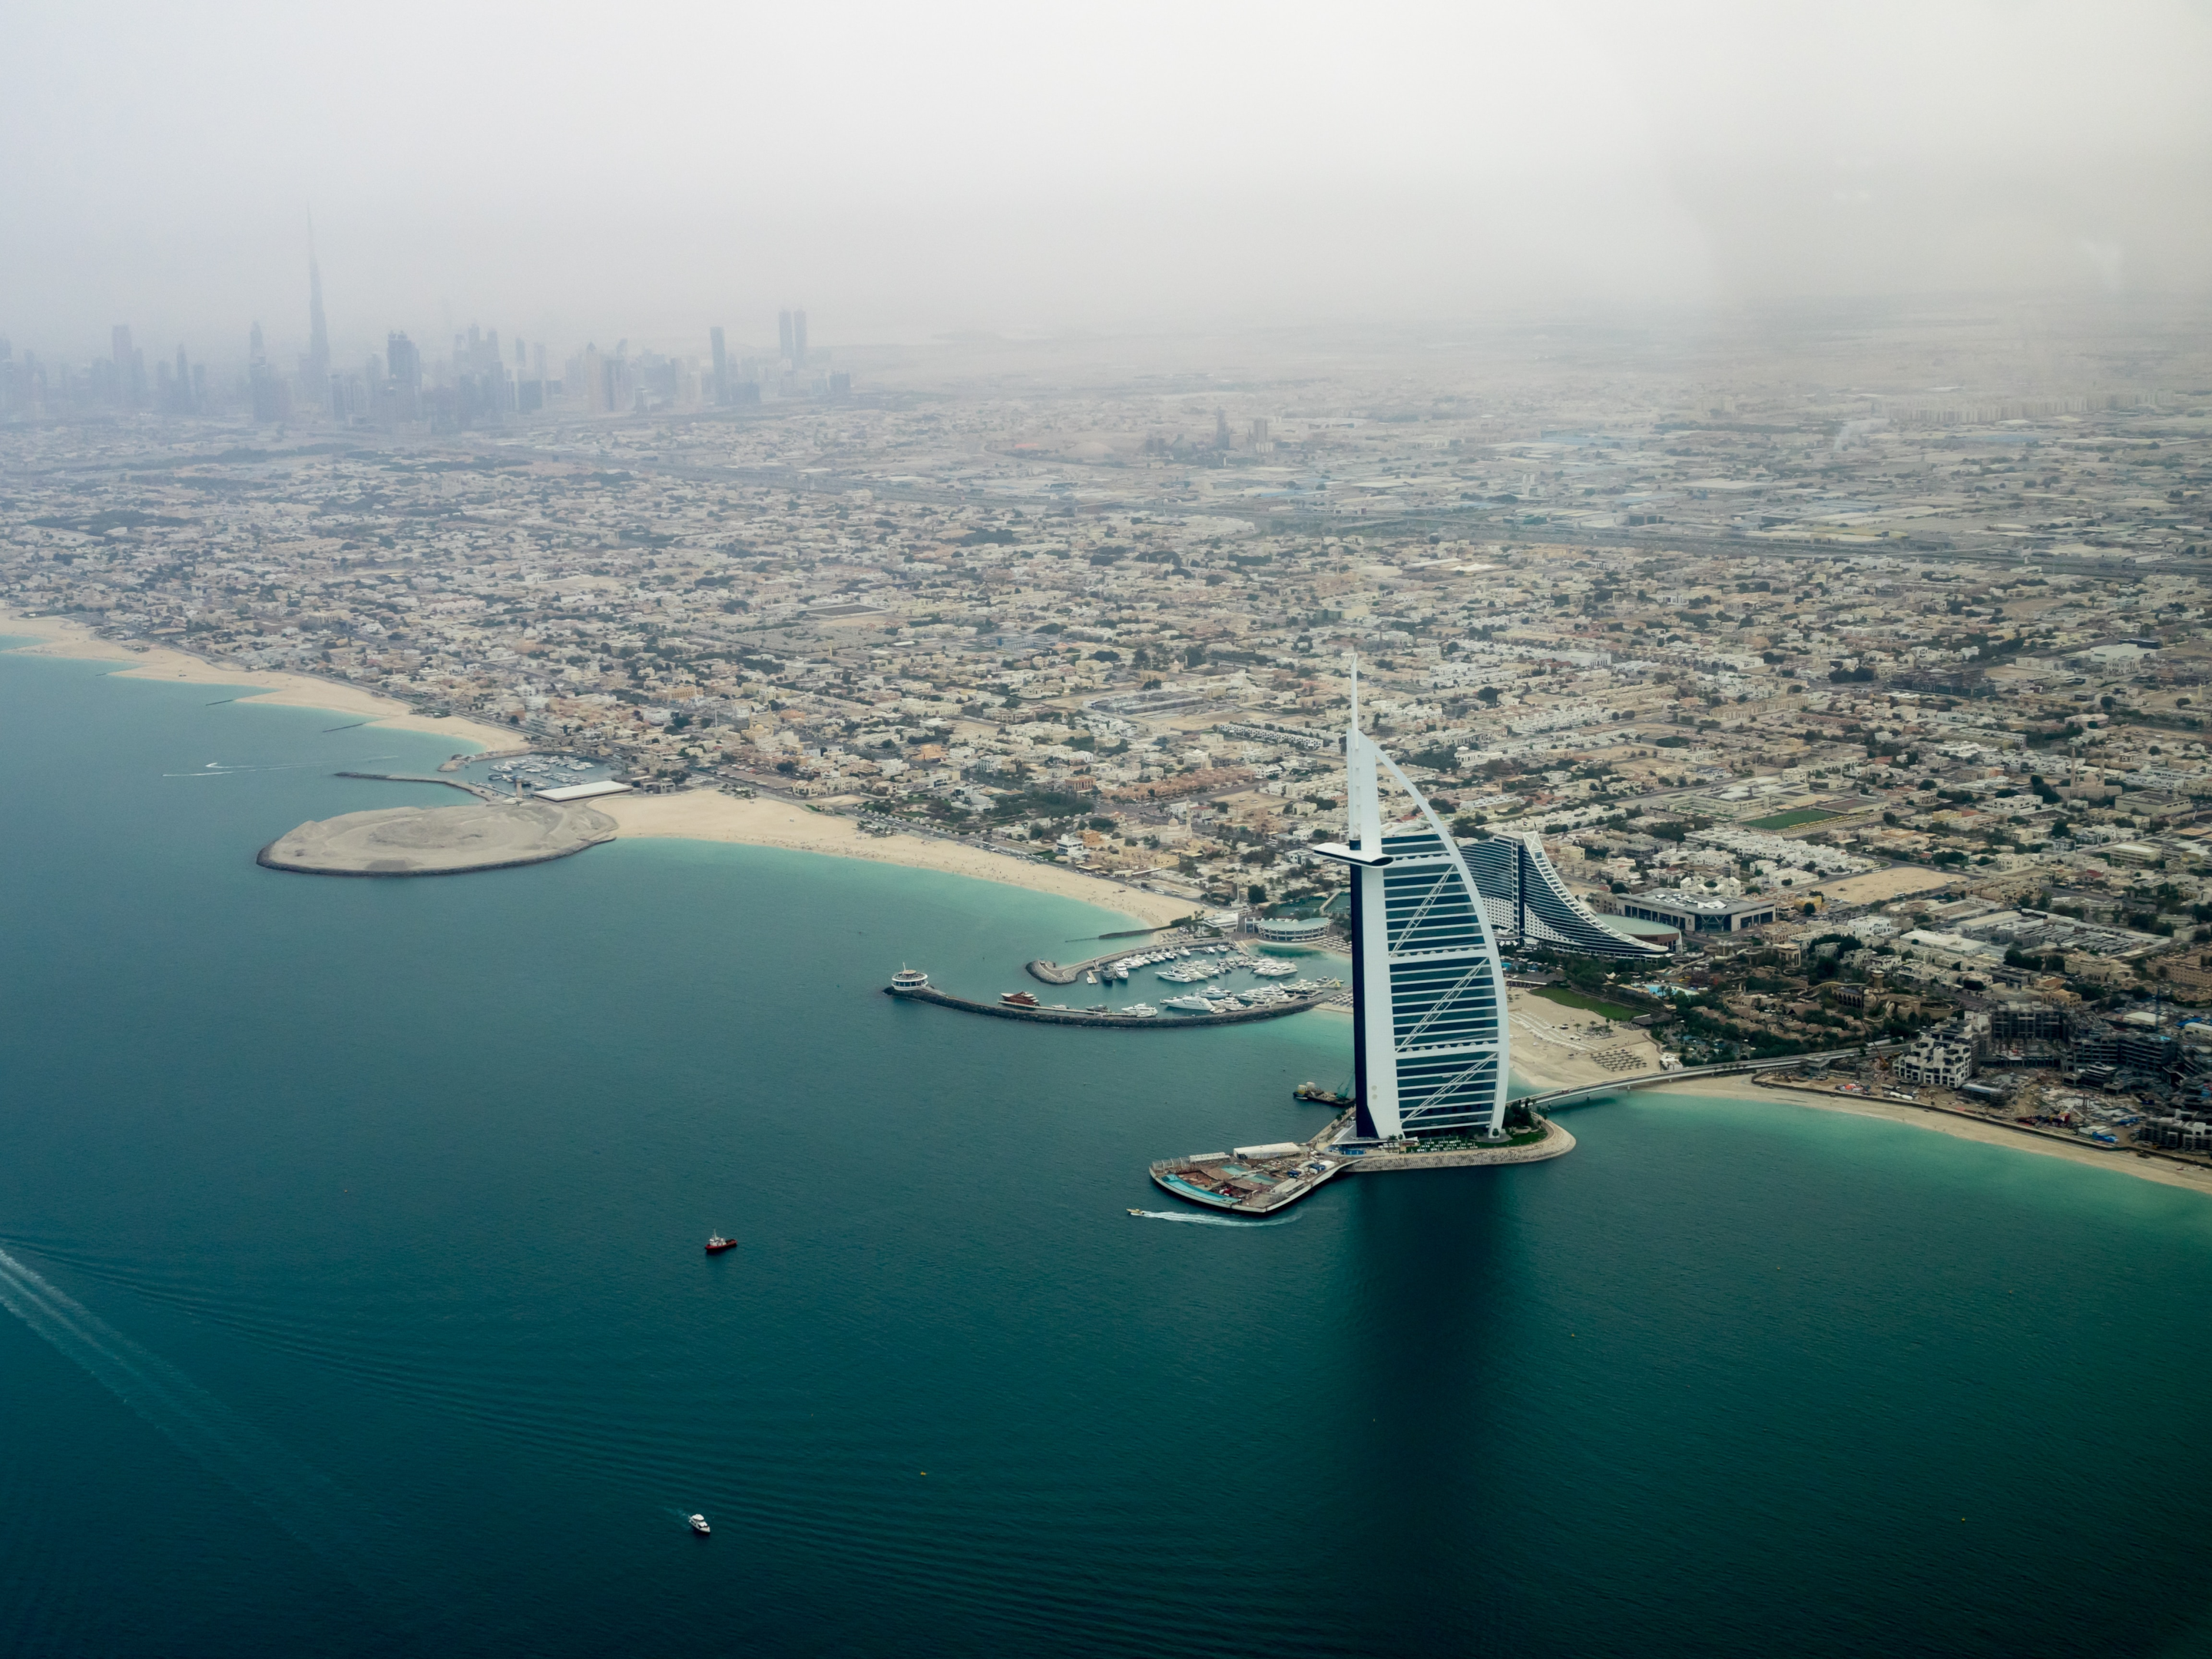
1566, 998
1790, 820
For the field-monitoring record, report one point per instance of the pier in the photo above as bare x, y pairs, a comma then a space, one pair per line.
1233, 955
475, 789
1053, 972
1108, 1018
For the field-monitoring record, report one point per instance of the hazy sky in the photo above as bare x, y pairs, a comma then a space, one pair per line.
649, 168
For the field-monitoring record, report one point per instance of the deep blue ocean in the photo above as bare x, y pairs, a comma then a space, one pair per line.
349, 1242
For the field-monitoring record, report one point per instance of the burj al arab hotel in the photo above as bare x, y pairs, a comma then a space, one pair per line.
1430, 1046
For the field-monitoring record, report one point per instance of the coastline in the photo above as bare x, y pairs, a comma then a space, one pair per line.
2165, 1172
60, 636
1541, 1061
710, 815
693, 814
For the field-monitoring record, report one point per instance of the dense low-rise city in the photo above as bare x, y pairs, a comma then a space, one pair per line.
1877, 701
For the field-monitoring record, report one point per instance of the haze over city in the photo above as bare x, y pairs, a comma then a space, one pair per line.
573, 172
1117, 831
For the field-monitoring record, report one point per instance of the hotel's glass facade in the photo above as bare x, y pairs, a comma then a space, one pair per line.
1446, 995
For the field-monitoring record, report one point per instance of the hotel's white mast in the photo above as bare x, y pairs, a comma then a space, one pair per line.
1374, 1065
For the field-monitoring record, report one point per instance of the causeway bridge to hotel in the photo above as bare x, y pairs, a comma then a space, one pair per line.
1582, 1092
1256, 1181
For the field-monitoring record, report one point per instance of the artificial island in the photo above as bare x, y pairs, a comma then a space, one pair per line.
438, 841
1431, 1044
1432, 1041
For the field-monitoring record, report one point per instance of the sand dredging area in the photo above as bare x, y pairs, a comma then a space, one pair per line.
438, 840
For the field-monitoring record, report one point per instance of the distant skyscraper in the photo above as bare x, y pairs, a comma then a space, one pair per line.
721, 367
402, 382
1221, 440
798, 339
270, 403
783, 335
317, 373
119, 338
599, 395
403, 362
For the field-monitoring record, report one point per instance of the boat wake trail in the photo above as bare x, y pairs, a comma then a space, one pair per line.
1210, 1221
305, 1503
217, 769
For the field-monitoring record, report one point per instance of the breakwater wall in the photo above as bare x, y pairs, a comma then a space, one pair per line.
475, 789
1107, 1022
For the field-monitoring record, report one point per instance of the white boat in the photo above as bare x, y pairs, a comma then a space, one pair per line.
698, 1524
1142, 1010
1189, 1004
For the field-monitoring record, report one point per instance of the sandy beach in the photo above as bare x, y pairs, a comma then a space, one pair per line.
57, 636
710, 815
695, 815
2167, 1172
1556, 1047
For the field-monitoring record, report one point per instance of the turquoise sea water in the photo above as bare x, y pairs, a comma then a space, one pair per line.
351, 1236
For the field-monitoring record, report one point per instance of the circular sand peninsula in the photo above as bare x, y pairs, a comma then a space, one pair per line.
438, 841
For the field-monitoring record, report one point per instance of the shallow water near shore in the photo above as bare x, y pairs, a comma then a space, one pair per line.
356, 1303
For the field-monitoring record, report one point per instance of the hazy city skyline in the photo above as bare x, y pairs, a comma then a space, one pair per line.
966, 169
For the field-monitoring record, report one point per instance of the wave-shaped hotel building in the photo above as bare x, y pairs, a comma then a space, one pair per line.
1431, 1047
1430, 1050
1430, 1044
1528, 903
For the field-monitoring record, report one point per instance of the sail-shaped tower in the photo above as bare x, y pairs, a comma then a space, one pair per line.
1431, 1052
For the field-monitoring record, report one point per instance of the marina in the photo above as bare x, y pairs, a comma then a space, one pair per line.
1264, 1002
